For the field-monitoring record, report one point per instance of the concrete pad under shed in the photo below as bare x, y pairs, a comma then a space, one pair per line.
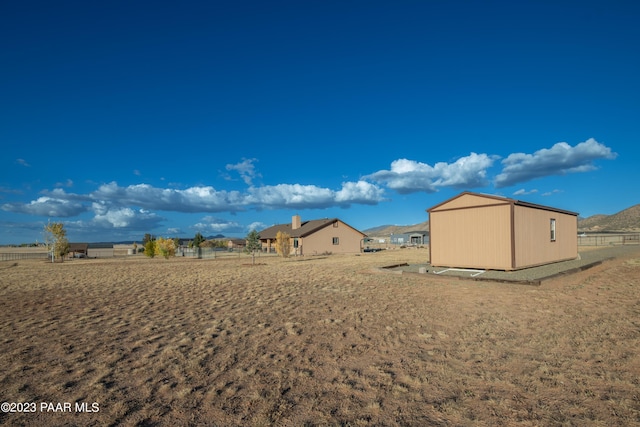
528, 276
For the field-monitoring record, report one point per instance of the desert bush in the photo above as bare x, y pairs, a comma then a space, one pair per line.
165, 247
150, 248
214, 244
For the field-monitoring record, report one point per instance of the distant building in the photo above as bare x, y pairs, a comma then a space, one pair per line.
411, 238
78, 250
315, 236
489, 232
236, 244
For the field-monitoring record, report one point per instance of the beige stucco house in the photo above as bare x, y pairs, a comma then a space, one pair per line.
490, 232
329, 235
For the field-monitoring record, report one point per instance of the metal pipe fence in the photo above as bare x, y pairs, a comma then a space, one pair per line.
17, 256
608, 239
215, 253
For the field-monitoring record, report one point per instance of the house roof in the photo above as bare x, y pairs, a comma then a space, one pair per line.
238, 241
76, 247
505, 200
306, 228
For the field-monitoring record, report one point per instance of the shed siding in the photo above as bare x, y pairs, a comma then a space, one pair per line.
533, 245
468, 200
475, 237
474, 230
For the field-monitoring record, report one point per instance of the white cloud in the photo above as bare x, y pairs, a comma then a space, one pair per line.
361, 192
209, 225
409, 176
522, 192
9, 190
193, 199
47, 206
311, 196
246, 169
23, 162
256, 226
117, 218
110, 201
123, 217
67, 183
290, 196
557, 160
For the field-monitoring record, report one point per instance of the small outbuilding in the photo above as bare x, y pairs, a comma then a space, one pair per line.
483, 231
78, 250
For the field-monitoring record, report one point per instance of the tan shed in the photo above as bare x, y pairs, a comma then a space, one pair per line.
482, 231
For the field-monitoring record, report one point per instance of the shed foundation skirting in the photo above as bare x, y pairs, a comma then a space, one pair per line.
474, 273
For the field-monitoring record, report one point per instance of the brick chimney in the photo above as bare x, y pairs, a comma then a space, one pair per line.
295, 222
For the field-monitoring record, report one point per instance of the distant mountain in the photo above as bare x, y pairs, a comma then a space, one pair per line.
217, 236
626, 220
388, 230
592, 221
376, 230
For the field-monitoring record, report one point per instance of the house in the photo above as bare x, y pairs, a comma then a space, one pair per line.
490, 232
101, 250
237, 244
411, 238
78, 250
315, 237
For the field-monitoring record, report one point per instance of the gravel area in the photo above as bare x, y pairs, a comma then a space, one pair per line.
533, 275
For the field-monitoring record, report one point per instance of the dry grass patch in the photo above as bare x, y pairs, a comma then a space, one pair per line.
318, 342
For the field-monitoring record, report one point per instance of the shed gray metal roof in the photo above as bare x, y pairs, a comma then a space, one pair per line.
506, 200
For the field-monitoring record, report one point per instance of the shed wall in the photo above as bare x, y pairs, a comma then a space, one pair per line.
532, 231
469, 200
475, 237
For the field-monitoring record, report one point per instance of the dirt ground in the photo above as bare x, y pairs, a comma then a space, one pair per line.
314, 341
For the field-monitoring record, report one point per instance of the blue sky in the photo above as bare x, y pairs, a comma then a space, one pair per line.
172, 118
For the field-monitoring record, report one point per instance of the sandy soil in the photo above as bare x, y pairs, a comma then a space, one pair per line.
315, 341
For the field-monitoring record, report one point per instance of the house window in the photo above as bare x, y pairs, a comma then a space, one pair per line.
295, 242
335, 224
336, 240
553, 229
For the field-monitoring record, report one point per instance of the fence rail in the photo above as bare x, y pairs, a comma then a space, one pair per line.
212, 253
203, 253
16, 256
608, 239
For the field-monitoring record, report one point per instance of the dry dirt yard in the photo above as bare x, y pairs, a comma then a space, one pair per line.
315, 341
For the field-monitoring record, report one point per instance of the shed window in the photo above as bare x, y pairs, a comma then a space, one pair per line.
336, 240
553, 229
